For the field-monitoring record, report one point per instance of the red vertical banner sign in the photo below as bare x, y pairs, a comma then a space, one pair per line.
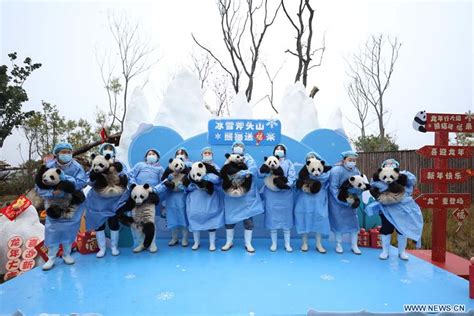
438, 233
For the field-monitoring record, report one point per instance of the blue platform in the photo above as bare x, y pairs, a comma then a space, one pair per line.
177, 280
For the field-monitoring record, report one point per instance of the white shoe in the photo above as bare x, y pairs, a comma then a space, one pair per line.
402, 245
100, 235
114, 238
319, 246
139, 248
49, 264
385, 247
286, 237
248, 241
153, 247
354, 247
197, 240
67, 255
174, 238
184, 241
273, 237
304, 244
229, 239
339, 248
212, 241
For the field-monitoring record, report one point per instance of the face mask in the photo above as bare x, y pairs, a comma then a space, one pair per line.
110, 152
238, 150
182, 157
280, 153
350, 164
207, 158
151, 158
65, 158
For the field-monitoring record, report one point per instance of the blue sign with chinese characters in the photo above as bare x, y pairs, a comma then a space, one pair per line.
250, 132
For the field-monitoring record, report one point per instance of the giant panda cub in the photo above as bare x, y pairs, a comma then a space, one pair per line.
179, 171
198, 171
396, 182
59, 207
313, 167
276, 179
348, 192
231, 184
106, 178
142, 202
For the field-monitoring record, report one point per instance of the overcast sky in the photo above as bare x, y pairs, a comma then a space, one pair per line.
434, 70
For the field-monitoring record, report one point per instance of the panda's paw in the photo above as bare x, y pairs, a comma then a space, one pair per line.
78, 197
118, 166
299, 183
265, 169
169, 185
278, 172
54, 212
356, 203
375, 192
66, 186
315, 187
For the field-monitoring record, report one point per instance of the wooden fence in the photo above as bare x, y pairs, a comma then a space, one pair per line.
369, 162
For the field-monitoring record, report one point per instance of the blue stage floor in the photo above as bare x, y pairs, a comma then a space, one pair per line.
177, 280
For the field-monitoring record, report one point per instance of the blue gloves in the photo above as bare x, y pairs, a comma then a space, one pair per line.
206, 177
181, 187
170, 177
243, 173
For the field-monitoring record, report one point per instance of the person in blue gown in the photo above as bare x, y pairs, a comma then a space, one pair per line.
205, 211
242, 208
312, 210
278, 204
63, 231
404, 215
342, 217
101, 210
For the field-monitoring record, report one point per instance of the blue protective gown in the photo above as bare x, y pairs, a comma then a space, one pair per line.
278, 205
405, 215
312, 210
99, 208
236, 209
64, 231
205, 211
342, 217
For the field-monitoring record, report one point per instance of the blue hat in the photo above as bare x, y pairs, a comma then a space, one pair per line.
61, 146
313, 154
238, 143
349, 153
390, 161
153, 150
102, 147
206, 148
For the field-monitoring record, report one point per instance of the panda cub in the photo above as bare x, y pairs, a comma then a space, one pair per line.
276, 179
313, 167
232, 185
349, 190
419, 122
105, 175
59, 207
396, 182
142, 202
198, 171
178, 169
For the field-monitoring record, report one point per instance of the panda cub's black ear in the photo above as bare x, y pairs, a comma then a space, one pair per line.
146, 186
308, 162
277, 157
323, 162
396, 170
265, 158
352, 179
93, 156
58, 171
200, 165
380, 169
171, 159
133, 185
227, 155
107, 156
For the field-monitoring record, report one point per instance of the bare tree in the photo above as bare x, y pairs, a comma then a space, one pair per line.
304, 37
239, 26
371, 74
202, 66
134, 54
360, 104
271, 79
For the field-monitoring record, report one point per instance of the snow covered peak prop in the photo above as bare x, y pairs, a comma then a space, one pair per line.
183, 106
138, 113
241, 109
298, 114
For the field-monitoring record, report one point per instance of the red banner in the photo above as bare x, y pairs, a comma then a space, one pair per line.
444, 200
446, 151
430, 175
16, 207
436, 122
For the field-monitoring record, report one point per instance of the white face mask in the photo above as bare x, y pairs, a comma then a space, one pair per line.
151, 158
350, 164
280, 153
238, 150
207, 158
110, 152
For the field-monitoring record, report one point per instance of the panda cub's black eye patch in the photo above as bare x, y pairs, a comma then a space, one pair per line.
141, 196
312, 170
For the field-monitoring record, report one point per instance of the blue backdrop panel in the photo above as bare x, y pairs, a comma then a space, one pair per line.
328, 143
